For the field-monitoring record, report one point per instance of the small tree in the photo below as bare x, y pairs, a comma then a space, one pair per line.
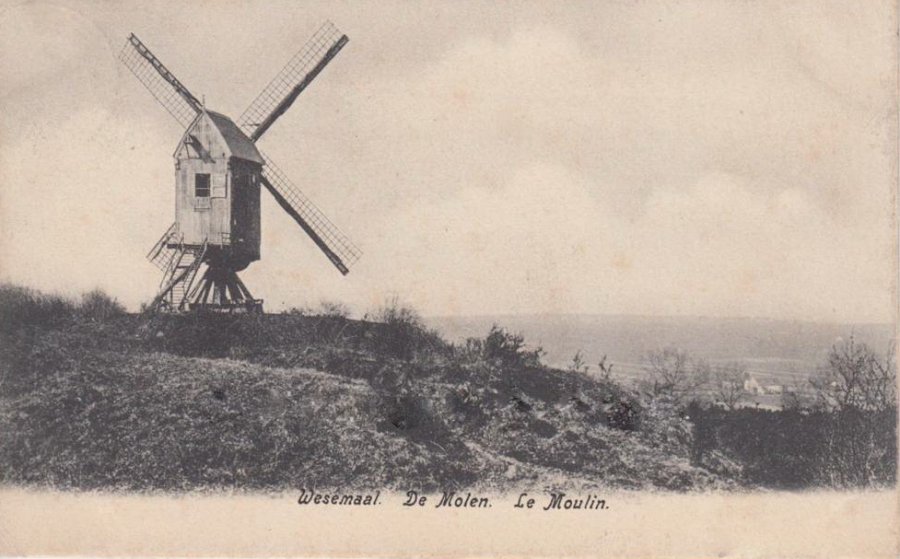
402, 332
673, 373
855, 377
97, 306
728, 384
856, 391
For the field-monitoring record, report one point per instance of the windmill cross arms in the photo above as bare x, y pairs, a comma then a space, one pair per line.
161, 83
339, 249
290, 82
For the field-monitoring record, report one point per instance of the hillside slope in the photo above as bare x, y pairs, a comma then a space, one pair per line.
285, 401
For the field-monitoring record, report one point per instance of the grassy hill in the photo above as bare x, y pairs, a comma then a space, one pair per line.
91, 397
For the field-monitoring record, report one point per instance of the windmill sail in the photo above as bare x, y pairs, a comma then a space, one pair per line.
297, 74
336, 246
161, 83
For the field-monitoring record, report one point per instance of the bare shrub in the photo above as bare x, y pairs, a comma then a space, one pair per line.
675, 374
509, 349
20, 306
401, 333
606, 369
578, 365
297, 311
332, 309
855, 377
728, 384
857, 389
23, 306
97, 306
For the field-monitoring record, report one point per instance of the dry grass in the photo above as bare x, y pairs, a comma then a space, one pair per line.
284, 401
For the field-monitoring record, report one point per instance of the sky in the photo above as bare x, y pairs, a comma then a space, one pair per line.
653, 158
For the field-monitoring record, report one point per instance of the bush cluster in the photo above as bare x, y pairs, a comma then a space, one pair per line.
791, 449
504, 349
23, 307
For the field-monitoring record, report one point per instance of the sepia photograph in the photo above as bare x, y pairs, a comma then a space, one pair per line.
448, 278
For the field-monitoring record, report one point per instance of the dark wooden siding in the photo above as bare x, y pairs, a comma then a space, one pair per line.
245, 210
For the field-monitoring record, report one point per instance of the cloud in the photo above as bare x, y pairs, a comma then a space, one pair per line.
564, 166
541, 242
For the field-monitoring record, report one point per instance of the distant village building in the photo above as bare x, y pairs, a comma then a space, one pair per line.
753, 386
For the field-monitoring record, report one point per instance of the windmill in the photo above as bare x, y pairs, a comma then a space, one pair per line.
218, 173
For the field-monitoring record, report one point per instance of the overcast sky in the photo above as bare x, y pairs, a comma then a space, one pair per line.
719, 158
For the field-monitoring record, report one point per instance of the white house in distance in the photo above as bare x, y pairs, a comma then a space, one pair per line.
752, 386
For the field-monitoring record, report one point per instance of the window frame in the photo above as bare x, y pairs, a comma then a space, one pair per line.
197, 187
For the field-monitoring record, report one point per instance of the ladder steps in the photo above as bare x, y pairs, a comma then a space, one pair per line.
180, 264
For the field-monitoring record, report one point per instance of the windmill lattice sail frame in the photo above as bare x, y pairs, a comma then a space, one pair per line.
294, 77
159, 81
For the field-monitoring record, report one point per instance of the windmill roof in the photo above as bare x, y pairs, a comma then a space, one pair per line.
238, 142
